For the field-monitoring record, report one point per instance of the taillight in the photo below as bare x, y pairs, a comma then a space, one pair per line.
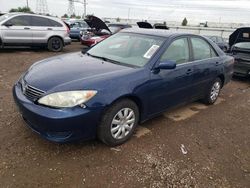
68, 31
67, 27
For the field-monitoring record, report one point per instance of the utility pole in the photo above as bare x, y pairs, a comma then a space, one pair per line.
42, 7
128, 14
85, 8
27, 3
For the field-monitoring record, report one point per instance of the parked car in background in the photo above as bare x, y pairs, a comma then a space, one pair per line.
240, 49
116, 27
146, 25
22, 29
126, 79
220, 42
76, 27
100, 31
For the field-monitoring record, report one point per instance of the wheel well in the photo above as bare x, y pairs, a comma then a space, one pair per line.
135, 99
222, 78
57, 37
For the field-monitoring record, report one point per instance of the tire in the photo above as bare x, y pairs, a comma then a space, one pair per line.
113, 123
55, 44
213, 92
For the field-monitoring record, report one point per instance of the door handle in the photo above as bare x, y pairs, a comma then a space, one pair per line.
49, 29
189, 71
27, 28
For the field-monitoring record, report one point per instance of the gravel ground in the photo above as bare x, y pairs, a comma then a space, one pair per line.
192, 146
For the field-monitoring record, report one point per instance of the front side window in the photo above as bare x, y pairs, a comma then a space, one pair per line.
128, 48
201, 49
20, 21
178, 51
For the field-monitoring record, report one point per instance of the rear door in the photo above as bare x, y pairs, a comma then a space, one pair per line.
18, 32
172, 87
42, 29
206, 63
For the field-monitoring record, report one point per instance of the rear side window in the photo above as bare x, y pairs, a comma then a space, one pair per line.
55, 23
20, 21
178, 51
44, 22
201, 49
39, 21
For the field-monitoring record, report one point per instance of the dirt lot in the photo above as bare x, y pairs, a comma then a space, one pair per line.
193, 146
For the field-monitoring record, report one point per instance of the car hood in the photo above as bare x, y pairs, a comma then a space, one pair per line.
97, 23
239, 35
71, 72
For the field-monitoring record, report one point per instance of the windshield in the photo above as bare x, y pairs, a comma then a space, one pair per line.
78, 25
114, 29
243, 45
128, 48
4, 17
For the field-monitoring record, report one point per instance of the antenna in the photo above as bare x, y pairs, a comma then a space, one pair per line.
42, 7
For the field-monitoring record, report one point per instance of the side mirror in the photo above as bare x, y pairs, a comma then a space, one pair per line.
8, 24
167, 65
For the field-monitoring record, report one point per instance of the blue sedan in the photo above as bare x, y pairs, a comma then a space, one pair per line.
127, 79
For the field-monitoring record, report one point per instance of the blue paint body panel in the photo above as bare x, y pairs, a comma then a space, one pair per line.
154, 92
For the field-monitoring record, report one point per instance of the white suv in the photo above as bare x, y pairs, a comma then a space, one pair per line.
21, 29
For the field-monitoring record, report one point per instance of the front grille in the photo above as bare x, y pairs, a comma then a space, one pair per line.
31, 92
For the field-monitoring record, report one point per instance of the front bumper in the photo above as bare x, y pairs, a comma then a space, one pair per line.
58, 125
241, 68
88, 43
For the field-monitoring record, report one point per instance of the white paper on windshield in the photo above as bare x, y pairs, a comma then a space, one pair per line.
151, 51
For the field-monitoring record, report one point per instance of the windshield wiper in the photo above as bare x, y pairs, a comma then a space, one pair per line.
104, 58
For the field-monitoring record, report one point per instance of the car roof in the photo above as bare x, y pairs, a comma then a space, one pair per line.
32, 14
155, 32
118, 24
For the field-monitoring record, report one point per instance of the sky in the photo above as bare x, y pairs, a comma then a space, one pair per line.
196, 11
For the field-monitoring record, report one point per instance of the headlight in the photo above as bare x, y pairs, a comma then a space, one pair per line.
67, 99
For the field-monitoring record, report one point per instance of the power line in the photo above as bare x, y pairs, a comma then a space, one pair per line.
42, 7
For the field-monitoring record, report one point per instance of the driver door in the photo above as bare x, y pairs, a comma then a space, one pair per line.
172, 87
18, 31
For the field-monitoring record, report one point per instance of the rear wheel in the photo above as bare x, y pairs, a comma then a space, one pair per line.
55, 44
213, 92
118, 123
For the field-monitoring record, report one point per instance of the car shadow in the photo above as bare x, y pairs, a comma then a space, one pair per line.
242, 79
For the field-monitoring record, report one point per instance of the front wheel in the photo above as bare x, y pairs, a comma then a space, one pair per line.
55, 44
118, 123
213, 92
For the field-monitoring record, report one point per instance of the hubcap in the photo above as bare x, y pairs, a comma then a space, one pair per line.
56, 44
122, 123
215, 91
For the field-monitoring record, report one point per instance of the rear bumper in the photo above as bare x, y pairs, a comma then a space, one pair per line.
241, 68
58, 125
67, 40
75, 36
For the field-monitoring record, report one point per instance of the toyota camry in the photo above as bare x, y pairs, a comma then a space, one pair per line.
125, 80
